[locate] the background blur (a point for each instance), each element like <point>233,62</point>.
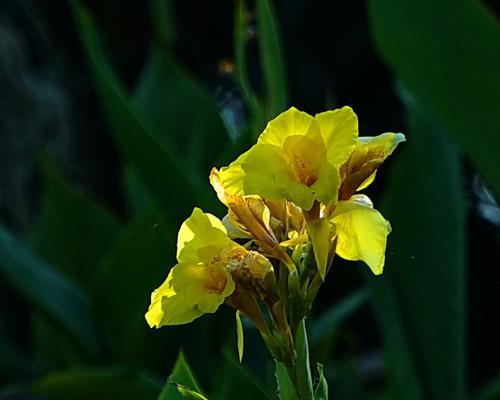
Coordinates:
<point>112,114</point>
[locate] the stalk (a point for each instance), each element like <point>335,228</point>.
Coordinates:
<point>294,378</point>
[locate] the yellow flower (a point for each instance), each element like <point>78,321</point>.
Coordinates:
<point>201,280</point>
<point>296,158</point>
<point>361,232</point>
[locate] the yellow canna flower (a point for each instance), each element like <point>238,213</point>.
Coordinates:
<point>296,158</point>
<point>361,232</point>
<point>201,281</point>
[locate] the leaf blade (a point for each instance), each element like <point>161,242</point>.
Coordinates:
<point>420,301</point>
<point>451,68</point>
<point>47,291</point>
<point>272,58</point>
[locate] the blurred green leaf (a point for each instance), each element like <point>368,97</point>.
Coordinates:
<point>323,325</point>
<point>133,267</point>
<point>239,383</point>
<point>52,348</point>
<point>447,54</point>
<point>71,231</point>
<point>47,291</point>
<point>321,391</point>
<point>241,32</point>
<point>490,391</point>
<point>172,182</point>
<point>163,21</point>
<point>181,375</point>
<point>420,299</point>
<point>347,384</point>
<point>181,111</point>
<point>272,58</point>
<point>104,383</point>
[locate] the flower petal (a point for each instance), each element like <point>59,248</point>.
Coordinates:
<point>198,231</point>
<point>367,156</point>
<point>326,188</point>
<point>189,291</point>
<point>319,232</point>
<point>254,172</point>
<point>289,123</point>
<point>339,129</point>
<point>362,234</point>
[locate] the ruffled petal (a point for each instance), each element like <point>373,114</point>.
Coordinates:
<point>361,233</point>
<point>292,122</point>
<point>198,231</point>
<point>367,156</point>
<point>189,291</point>
<point>339,129</point>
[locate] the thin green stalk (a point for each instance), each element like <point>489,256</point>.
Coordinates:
<point>295,379</point>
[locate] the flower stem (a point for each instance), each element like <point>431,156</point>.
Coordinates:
<point>294,379</point>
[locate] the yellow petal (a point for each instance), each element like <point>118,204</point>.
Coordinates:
<point>198,231</point>
<point>367,156</point>
<point>326,187</point>
<point>339,129</point>
<point>189,291</point>
<point>367,182</point>
<point>319,232</point>
<point>258,265</point>
<point>255,172</point>
<point>289,123</point>
<point>233,227</point>
<point>217,185</point>
<point>362,233</point>
<point>296,192</point>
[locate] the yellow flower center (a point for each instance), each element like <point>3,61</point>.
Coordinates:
<point>218,280</point>
<point>305,157</point>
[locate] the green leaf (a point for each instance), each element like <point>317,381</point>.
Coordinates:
<point>172,183</point>
<point>187,392</point>
<point>323,325</point>
<point>271,57</point>
<point>239,383</point>
<point>71,231</point>
<point>304,377</point>
<point>420,299</point>
<point>181,111</point>
<point>47,291</point>
<point>321,391</point>
<point>99,383</point>
<point>447,54</point>
<point>239,335</point>
<point>136,263</point>
<point>181,375</point>
<point>241,29</point>
<point>286,388</point>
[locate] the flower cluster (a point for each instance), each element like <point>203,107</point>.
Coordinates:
<point>293,204</point>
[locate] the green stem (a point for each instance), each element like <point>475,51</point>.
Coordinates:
<point>294,379</point>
